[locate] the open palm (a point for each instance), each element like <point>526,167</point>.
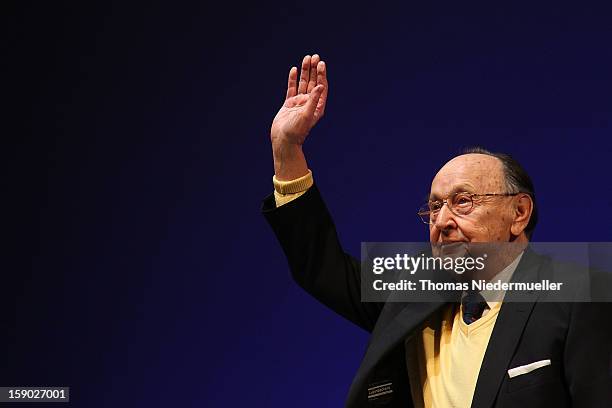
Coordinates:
<point>304,104</point>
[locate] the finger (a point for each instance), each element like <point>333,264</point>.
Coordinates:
<point>322,74</point>
<point>292,83</point>
<point>313,100</point>
<point>303,85</point>
<point>322,80</point>
<point>312,82</point>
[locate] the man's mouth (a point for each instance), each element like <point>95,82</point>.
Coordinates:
<point>451,242</point>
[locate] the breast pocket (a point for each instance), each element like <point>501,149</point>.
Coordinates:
<point>532,375</point>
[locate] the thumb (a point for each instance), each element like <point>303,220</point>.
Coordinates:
<point>313,99</point>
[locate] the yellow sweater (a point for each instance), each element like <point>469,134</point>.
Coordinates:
<point>446,357</point>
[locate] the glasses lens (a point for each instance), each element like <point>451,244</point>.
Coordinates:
<point>462,203</point>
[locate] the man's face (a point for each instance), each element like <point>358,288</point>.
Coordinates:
<point>491,217</point>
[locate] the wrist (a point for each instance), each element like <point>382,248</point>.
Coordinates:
<point>289,161</point>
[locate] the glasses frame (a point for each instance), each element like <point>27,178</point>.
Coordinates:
<point>426,213</point>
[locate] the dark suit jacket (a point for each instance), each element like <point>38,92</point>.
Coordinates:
<point>576,337</point>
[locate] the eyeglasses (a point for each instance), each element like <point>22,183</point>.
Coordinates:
<point>460,203</point>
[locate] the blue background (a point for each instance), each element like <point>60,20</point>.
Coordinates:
<point>139,270</point>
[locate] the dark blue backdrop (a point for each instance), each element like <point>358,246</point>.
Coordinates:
<point>144,274</point>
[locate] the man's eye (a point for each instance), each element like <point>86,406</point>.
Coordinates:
<point>435,206</point>
<point>463,201</point>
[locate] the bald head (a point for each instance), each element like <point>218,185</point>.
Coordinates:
<point>472,172</point>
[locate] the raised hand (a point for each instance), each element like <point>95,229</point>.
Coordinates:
<point>304,104</point>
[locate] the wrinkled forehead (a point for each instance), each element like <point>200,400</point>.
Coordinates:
<point>474,173</point>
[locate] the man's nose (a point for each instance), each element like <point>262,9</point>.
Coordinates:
<point>444,220</point>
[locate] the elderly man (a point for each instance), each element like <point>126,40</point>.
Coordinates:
<point>440,354</point>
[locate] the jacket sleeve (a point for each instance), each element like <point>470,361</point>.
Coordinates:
<point>316,259</point>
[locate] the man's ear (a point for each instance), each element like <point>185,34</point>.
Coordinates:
<point>523,207</point>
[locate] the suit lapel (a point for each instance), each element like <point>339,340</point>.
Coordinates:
<point>403,322</point>
<point>509,327</point>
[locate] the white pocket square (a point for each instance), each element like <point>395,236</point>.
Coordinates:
<point>524,369</point>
